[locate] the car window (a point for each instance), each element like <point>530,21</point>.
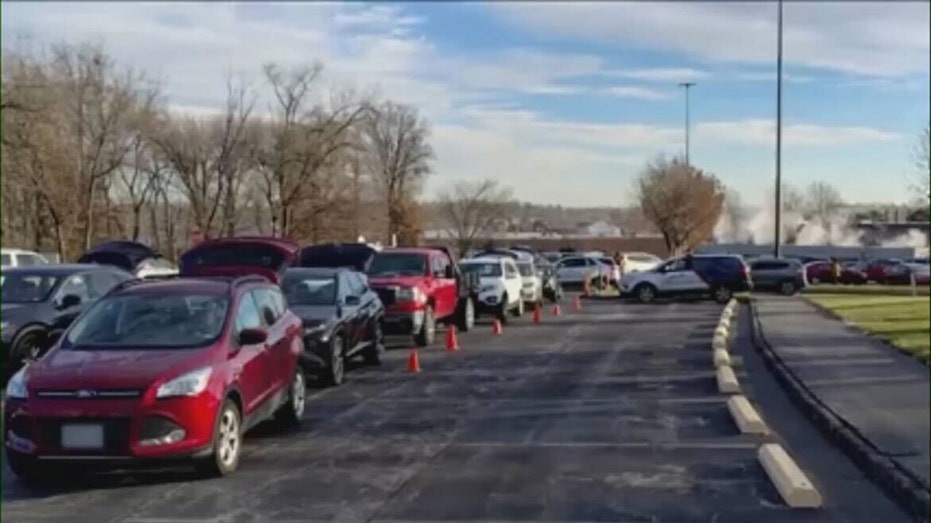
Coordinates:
<point>303,289</point>
<point>76,285</point>
<point>267,306</point>
<point>357,286</point>
<point>526,269</point>
<point>26,260</point>
<point>769,266</point>
<point>102,281</point>
<point>278,300</point>
<point>440,262</point>
<point>492,270</point>
<point>247,314</point>
<point>398,264</point>
<point>676,265</point>
<point>26,288</point>
<point>572,263</point>
<point>509,270</point>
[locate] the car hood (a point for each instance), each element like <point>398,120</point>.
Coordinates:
<point>110,368</point>
<point>399,281</point>
<point>315,313</point>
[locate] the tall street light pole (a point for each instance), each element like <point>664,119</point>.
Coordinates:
<point>687,86</point>
<point>777,250</point>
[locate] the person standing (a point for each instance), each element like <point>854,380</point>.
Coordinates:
<point>835,270</point>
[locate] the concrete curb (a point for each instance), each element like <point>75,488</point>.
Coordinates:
<point>899,483</point>
<point>727,381</point>
<point>746,417</point>
<point>794,486</point>
<point>721,358</point>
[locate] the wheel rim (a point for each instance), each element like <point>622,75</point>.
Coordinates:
<point>30,349</point>
<point>298,394</point>
<point>337,360</point>
<point>646,294</point>
<point>722,294</point>
<point>787,288</point>
<point>229,437</point>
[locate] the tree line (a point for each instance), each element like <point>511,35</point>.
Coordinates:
<point>91,151</point>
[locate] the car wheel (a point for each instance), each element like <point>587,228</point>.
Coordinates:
<point>519,310</point>
<point>466,316</point>
<point>376,346</point>
<point>292,412</point>
<point>721,294</point>
<point>428,330</point>
<point>227,443</point>
<point>787,288</point>
<point>336,371</point>
<point>645,293</point>
<point>27,346</point>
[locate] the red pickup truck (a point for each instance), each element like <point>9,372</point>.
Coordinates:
<point>420,287</point>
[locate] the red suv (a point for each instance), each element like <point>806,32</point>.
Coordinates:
<point>164,369</point>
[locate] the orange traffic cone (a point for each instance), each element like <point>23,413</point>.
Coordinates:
<point>413,362</point>
<point>556,311</point>
<point>496,327</point>
<point>537,315</point>
<point>576,303</point>
<point>452,344</point>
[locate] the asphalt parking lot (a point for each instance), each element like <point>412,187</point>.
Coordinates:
<point>608,414</point>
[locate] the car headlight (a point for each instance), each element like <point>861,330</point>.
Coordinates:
<point>16,388</point>
<point>190,384</point>
<point>410,294</point>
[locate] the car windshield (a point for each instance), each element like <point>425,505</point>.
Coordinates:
<point>309,290</point>
<point>398,264</point>
<point>484,270</point>
<point>142,321</point>
<point>526,269</point>
<point>26,288</point>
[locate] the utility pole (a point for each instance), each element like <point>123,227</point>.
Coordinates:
<point>777,238</point>
<point>687,86</point>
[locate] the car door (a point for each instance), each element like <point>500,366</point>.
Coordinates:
<point>763,273</point>
<point>571,270</point>
<point>447,290</point>
<point>678,277</point>
<point>512,280</point>
<point>251,368</point>
<point>278,342</point>
<point>368,305</point>
<point>349,312</point>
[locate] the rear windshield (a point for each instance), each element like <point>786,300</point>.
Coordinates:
<point>139,321</point>
<point>526,269</point>
<point>398,264</point>
<point>232,255</point>
<point>309,290</point>
<point>26,288</point>
<point>484,270</point>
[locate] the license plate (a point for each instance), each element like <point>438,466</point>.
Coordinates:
<point>83,436</point>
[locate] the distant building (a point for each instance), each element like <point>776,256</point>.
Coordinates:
<point>599,229</point>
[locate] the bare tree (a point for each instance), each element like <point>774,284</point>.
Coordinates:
<point>470,210</point>
<point>398,157</point>
<point>683,202</point>
<point>922,182</point>
<point>822,203</point>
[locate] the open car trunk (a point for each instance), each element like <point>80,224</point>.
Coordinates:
<point>357,256</point>
<point>126,255</point>
<point>240,256</point>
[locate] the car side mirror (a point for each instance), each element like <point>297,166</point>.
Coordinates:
<point>269,315</point>
<point>353,301</point>
<point>70,301</point>
<point>252,336</point>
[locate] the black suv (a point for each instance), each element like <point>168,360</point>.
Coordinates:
<point>40,301</point>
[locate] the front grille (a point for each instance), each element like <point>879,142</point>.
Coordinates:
<point>115,432</point>
<point>90,394</point>
<point>153,427</point>
<point>387,295</point>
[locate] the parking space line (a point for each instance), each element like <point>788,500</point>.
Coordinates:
<point>671,446</point>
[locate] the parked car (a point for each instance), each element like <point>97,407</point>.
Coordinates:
<point>134,257</point>
<point>421,286</point>
<point>501,285</point>
<point>575,269</point>
<point>532,285</point>
<point>638,261</point>
<point>40,301</point>
<point>852,273</point>
<point>240,256</point>
<point>777,274</point>
<point>719,276</point>
<point>342,319</point>
<point>881,270</point>
<point>20,258</point>
<point>921,273</point>
<point>159,370</point>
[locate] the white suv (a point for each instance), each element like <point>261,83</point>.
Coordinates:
<point>500,285</point>
<point>21,258</point>
<point>719,276</point>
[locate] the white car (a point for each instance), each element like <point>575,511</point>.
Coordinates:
<point>500,285</point>
<point>20,258</point>
<point>718,275</point>
<point>156,268</point>
<point>532,285</point>
<point>638,262</point>
<point>575,269</point>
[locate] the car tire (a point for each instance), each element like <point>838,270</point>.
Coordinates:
<point>335,373</point>
<point>226,447</point>
<point>427,333</point>
<point>376,348</point>
<point>787,288</point>
<point>465,316</point>
<point>29,344</point>
<point>721,294</point>
<point>645,293</point>
<point>292,412</point>
<point>518,311</point>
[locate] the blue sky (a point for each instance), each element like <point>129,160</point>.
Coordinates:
<point>565,103</point>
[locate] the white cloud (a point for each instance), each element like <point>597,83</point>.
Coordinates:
<point>869,38</point>
<point>763,132</point>
<point>640,93</point>
<point>662,74</point>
